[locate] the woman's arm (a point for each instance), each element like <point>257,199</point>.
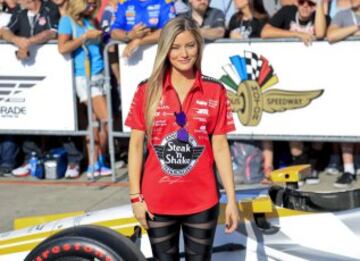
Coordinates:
<point>222,157</point>
<point>320,20</point>
<point>135,162</point>
<point>67,45</point>
<point>336,33</point>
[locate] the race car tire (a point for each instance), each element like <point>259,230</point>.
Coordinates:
<point>86,243</point>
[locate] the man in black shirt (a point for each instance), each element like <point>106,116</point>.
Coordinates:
<point>210,20</point>
<point>35,24</point>
<point>306,21</point>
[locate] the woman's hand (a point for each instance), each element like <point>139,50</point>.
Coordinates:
<point>232,217</point>
<point>93,34</point>
<point>140,209</point>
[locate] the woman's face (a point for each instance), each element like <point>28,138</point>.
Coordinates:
<point>184,52</point>
<point>240,4</point>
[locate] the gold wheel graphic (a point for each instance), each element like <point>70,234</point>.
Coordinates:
<point>250,103</point>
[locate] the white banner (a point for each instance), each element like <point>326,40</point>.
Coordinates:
<point>276,88</point>
<point>36,94</point>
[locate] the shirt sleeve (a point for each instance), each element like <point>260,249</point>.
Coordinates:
<point>54,19</point>
<point>279,18</point>
<point>218,19</point>
<point>338,20</point>
<point>14,24</point>
<point>135,118</point>
<point>120,20</point>
<point>65,26</point>
<point>233,23</point>
<point>167,12</point>
<point>224,121</point>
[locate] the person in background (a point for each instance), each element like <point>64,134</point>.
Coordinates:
<point>35,24</point>
<point>176,190</point>
<point>247,23</point>
<point>180,7</point>
<point>7,7</point>
<point>144,24</point>
<point>346,23</point>
<point>306,21</point>
<point>211,20</point>
<point>78,36</point>
<point>9,150</point>
<point>61,5</point>
<point>249,19</point>
<point>334,6</point>
<point>106,22</point>
<point>100,13</point>
<point>272,6</point>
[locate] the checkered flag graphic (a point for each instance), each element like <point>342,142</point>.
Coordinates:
<point>253,65</point>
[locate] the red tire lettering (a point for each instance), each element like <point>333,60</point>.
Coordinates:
<point>108,258</point>
<point>88,249</point>
<point>77,246</point>
<point>45,254</point>
<point>66,247</point>
<point>99,254</point>
<point>56,250</point>
<point>39,258</point>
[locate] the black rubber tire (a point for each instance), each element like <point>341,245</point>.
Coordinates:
<point>86,243</point>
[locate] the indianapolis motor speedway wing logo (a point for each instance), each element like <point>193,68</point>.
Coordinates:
<point>178,158</point>
<point>248,79</point>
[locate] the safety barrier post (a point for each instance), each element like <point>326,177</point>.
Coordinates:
<point>107,86</point>
<point>89,112</point>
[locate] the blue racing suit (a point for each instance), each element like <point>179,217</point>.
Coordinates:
<point>153,13</point>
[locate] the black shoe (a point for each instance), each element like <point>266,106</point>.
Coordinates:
<point>345,180</point>
<point>5,171</point>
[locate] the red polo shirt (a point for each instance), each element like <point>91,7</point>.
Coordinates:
<point>178,177</point>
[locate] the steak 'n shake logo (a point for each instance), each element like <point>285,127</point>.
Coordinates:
<point>12,94</point>
<point>248,79</point>
<point>178,158</point>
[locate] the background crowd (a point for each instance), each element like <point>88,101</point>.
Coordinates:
<point>85,26</point>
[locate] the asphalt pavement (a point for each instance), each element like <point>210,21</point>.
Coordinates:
<point>28,196</point>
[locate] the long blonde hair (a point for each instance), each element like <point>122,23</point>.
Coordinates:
<point>168,34</point>
<point>75,9</point>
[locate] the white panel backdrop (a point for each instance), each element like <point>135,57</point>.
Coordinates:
<point>332,68</point>
<point>46,102</point>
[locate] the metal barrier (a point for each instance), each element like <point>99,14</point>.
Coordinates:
<point>113,134</point>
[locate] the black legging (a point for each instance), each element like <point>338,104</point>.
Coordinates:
<point>198,230</point>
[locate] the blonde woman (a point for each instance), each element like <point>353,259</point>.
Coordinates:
<point>185,117</point>
<point>78,34</point>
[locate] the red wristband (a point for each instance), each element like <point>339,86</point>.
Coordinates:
<point>139,198</point>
